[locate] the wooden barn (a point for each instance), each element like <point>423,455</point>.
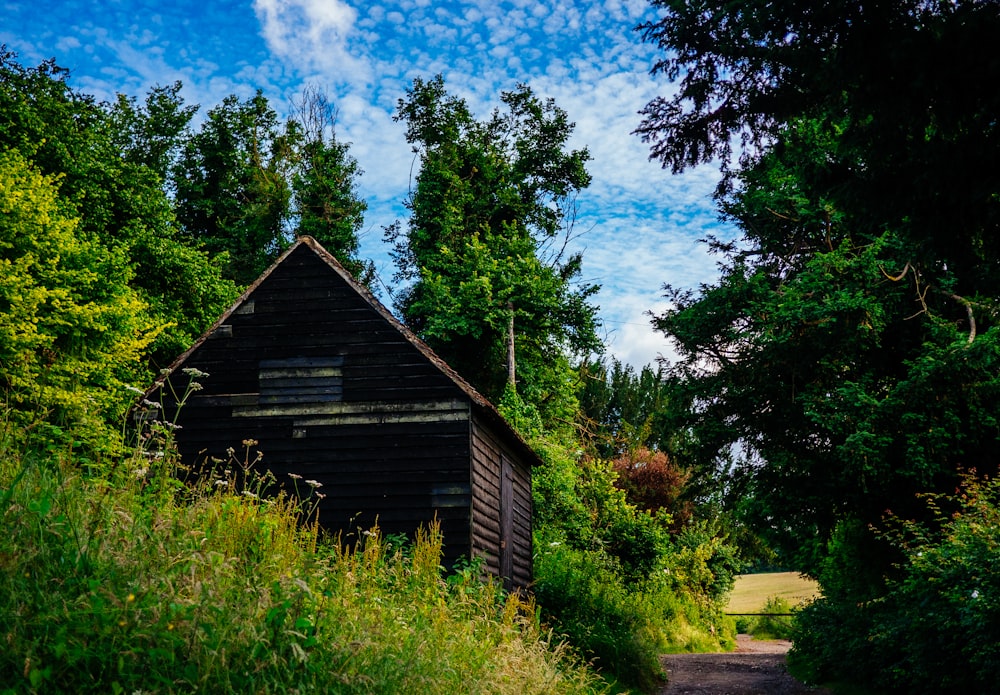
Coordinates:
<point>334,389</point>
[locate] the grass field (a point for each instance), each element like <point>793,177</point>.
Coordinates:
<point>752,590</point>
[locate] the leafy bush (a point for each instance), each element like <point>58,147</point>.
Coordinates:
<point>72,332</point>
<point>936,628</point>
<point>769,626</point>
<point>622,625</point>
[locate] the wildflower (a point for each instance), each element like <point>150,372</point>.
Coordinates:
<point>314,483</point>
<point>231,451</point>
<point>194,372</point>
<point>130,598</point>
<point>250,442</point>
<point>150,404</point>
<point>164,371</point>
<point>221,483</point>
<point>195,386</point>
<point>295,476</point>
<point>975,593</point>
<point>133,389</point>
<point>320,496</point>
<point>247,493</point>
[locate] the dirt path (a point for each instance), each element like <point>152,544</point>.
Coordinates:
<point>755,668</point>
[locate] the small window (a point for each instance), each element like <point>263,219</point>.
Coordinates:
<point>301,380</point>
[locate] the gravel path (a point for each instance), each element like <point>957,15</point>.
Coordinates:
<point>755,668</point>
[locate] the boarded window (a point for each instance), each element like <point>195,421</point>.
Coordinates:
<point>301,380</point>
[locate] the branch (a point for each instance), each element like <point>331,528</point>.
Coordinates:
<point>968,310</point>
<point>899,277</point>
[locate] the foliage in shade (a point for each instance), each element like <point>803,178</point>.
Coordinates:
<point>849,353</point>
<point>851,343</point>
<point>938,628</point>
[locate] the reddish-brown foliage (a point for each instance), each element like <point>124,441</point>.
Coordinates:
<point>653,482</point>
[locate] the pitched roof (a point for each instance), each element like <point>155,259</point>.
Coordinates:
<point>481,404</point>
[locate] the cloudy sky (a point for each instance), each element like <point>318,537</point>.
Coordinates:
<point>641,224</point>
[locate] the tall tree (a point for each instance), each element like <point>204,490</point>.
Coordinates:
<point>232,185</point>
<point>326,201</point>
<point>850,348</point>
<point>247,183</point>
<point>483,248</point>
<point>116,198</point>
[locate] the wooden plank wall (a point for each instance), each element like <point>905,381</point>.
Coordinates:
<point>487,451</point>
<point>333,392</point>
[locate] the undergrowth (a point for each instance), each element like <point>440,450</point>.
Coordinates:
<point>129,582</point>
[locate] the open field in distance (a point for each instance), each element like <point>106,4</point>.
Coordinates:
<point>752,590</point>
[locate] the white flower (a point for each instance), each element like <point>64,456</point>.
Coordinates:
<point>133,389</point>
<point>194,372</point>
<point>295,476</point>
<point>221,483</point>
<point>313,483</point>
<point>975,593</point>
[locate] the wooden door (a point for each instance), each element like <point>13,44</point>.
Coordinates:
<point>506,521</point>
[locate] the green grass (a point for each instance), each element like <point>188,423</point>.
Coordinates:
<point>129,582</point>
<point>752,591</point>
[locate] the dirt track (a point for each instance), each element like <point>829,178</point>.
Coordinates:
<point>755,668</point>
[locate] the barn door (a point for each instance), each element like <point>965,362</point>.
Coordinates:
<point>506,521</point>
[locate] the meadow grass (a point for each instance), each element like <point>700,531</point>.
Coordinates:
<point>752,591</point>
<point>130,582</point>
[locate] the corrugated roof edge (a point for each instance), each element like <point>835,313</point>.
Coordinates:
<point>482,404</point>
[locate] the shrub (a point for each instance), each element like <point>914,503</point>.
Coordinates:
<point>623,626</point>
<point>936,627</point>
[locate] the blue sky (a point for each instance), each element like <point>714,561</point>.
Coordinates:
<point>639,224</point>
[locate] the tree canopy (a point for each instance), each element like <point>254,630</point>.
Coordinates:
<point>850,348</point>
<point>485,241</point>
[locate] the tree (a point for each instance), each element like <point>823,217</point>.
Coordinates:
<point>247,183</point>
<point>72,331</point>
<point>232,181</point>
<point>326,201</point>
<point>152,134</point>
<point>116,198</point>
<point>623,410</point>
<point>850,348</point>
<point>482,248</point>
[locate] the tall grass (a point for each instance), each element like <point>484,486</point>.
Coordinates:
<point>131,583</point>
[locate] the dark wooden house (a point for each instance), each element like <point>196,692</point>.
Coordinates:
<point>333,388</point>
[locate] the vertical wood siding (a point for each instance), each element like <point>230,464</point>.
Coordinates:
<point>488,453</point>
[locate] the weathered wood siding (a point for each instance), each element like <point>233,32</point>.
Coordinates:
<point>333,392</point>
<point>489,538</point>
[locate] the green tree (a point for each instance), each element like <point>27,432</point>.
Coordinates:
<point>482,248</point>
<point>326,201</point>
<point>232,185</point>
<point>247,182</point>
<point>116,197</point>
<point>72,331</point>
<point>849,351</point>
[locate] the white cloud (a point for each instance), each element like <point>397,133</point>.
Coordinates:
<point>310,33</point>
